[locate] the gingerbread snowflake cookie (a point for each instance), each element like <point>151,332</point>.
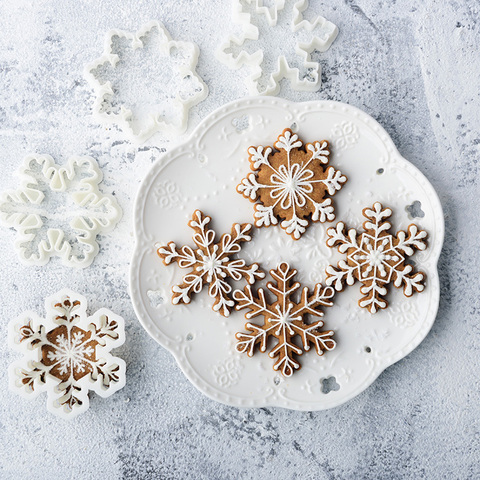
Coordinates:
<point>67,354</point>
<point>211,263</point>
<point>291,183</point>
<point>376,258</point>
<point>284,319</point>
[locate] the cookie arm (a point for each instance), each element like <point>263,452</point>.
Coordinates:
<point>284,352</point>
<point>412,282</point>
<point>309,303</point>
<point>415,240</point>
<point>256,335</point>
<point>311,336</point>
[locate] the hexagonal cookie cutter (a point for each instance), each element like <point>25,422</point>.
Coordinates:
<point>40,201</point>
<point>311,81</point>
<point>183,55</point>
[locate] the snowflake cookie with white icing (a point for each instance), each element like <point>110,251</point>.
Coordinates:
<point>67,354</point>
<point>292,183</point>
<point>211,263</point>
<point>284,319</point>
<point>376,258</point>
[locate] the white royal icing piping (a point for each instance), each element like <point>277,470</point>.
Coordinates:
<point>291,185</point>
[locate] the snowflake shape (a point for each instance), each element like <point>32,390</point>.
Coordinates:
<point>156,98</point>
<point>210,263</point>
<point>291,183</point>
<point>284,320</point>
<point>58,210</point>
<point>376,258</point>
<point>67,353</point>
<point>283,29</point>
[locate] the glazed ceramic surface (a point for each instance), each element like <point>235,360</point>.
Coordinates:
<point>203,173</point>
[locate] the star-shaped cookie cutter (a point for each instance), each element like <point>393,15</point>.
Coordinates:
<point>251,32</point>
<point>184,66</point>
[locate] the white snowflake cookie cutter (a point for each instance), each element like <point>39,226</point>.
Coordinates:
<point>310,80</point>
<point>67,354</point>
<point>46,225</point>
<point>182,55</point>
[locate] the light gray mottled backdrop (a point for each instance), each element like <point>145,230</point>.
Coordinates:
<point>414,66</point>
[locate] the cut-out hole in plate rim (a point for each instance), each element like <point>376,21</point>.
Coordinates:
<point>241,123</point>
<point>156,298</point>
<point>415,210</point>
<point>329,384</point>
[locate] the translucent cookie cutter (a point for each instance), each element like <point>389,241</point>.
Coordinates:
<point>306,36</point>
<point>58,210</point>
<point>153,99</point>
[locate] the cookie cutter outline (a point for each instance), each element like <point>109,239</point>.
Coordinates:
<point>124,118</point>
<point>58,177</point>
<point>31,355</point>
<point>283,70</point>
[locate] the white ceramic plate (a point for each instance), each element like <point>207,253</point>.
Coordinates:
<point>202,174</point>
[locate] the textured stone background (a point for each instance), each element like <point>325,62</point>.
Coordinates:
<point>414,66</point>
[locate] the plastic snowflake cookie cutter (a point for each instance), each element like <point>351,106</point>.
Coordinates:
<point>308,36</point>
<point>211,263</point>
<point>291,183</point>
<point>171,81</point>
<point>67,354</point>
<point>58,210</point>
<point>284,320</point>
<point>376,258</point>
